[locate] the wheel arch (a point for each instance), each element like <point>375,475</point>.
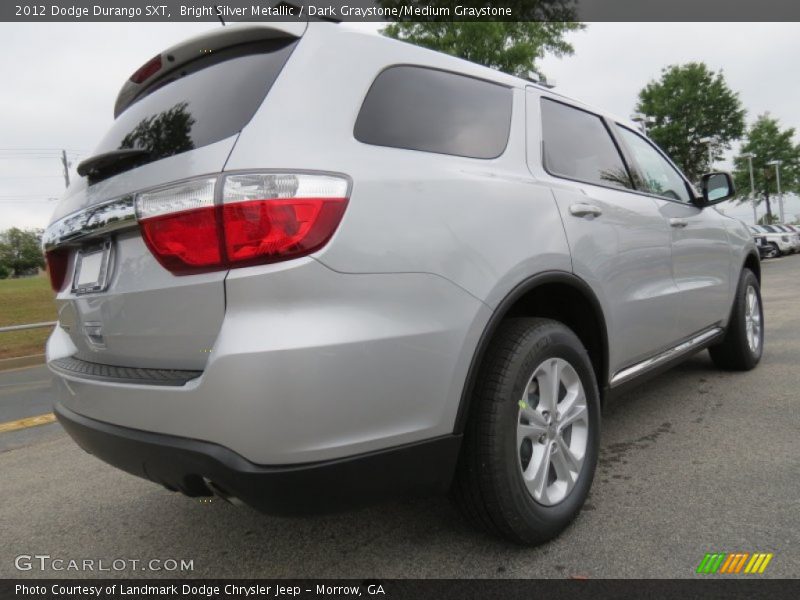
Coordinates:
<point>554,294</point>
<point>753,262</point>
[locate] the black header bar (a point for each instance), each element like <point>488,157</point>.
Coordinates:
<point>401,10</point>
<point>400,589</point>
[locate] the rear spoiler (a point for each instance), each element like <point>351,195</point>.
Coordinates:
<point>179,55</point>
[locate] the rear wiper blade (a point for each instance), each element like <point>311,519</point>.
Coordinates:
<point>100,162</point>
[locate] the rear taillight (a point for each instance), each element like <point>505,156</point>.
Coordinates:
<point>259,218</point>
<point>180,226</point>
<point>57,261</point>
<point>148,69</point>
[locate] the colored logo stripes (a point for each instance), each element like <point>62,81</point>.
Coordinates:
<point>734,562</point>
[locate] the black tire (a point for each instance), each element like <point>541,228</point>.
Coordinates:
<point>735,352</point>
<point>489,487</point>
<point>773,251</point>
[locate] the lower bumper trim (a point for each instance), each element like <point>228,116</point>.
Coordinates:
<point>182,464</point>
<point>111,374</point>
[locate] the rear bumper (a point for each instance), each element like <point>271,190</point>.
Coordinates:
<point>186,465</point>
<point>310,365</point>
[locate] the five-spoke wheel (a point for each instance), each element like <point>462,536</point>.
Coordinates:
<point>552,431</point>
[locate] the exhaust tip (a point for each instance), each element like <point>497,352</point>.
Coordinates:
<point>222,493</point>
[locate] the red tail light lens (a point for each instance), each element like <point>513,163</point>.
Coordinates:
<point>57,261</point>
<point>180,226</point>
<point>271,229</point>
<point>263,218</point>
<point>184,242</point>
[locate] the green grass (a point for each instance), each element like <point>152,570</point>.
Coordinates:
<point>25,300</point>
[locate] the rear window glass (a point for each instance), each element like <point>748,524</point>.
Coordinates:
<point>578,146</point>
<point>435,111</point>
<point>204,102</point>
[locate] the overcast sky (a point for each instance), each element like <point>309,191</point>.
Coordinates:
<point>60,81</point>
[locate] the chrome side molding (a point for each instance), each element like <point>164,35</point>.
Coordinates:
<point>683,348</point>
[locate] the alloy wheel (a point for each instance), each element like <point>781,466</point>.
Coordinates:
<point>552,431</point>
<point>752,319</point>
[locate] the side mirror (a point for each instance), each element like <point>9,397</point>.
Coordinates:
<point>716,188</point>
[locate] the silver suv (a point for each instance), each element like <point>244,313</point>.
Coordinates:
<point>309,267</point>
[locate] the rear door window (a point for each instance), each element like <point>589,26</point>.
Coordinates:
<point>424,109</point>
<point>577,145</point>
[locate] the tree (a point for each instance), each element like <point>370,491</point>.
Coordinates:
<point>768,142</point>
<point>509,47</point>
<point>689,103</point>
<point>20,251</point>
<point>163,134</point>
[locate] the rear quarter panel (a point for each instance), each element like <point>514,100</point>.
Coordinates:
<point>485,225</point>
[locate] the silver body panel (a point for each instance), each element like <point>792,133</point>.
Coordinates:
<point>367,343</point>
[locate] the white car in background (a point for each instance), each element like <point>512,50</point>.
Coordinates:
<point>794,236</point>
<point>779,242</point>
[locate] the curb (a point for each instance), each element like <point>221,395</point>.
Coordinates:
<point>21,361</point>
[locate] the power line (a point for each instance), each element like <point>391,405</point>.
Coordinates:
<point>38,157</point>
<point>7,196</point>
<point>56,150</point>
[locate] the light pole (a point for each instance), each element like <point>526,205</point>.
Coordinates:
<point>710,142</point>
<point>750,156</point>
<point>777,164</point>
<point>643,120</point>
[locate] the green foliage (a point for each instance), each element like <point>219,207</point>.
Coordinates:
<point>5,272</point>
<point>767,219</point>
<point>509,47</point>
<point>768,142</point>
<point>20,251</point>
<point>691,102</point>
<point>25,300</point>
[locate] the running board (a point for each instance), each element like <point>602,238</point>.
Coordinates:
<point>686,347</point>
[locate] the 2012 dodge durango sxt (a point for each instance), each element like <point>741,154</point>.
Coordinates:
<point>299,284</point>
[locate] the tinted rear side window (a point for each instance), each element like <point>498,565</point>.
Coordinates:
<point>435,111</point>
<point>206,101</point>
<point>577,145</point>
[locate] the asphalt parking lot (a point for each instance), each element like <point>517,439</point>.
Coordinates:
<point>694,461</point>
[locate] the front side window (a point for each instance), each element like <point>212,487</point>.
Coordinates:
<point>656,176</point>
<point>578,146</point>
<point>417,108</point>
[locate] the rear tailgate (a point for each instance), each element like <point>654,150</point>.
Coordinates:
<point>117,303</point>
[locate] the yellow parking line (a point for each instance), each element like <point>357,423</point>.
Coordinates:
<point>27,422</point>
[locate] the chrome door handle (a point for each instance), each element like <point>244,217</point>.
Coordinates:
<point>585,210</point>
<point>678,223</point>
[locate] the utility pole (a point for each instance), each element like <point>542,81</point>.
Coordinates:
<point>750,156</point>
<point>66,167</point>
<point>643,121</point>
<point>777,164</point>
<point>710,142</point>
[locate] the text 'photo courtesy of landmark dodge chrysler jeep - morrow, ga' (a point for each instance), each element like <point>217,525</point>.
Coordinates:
<point>302,285</point>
